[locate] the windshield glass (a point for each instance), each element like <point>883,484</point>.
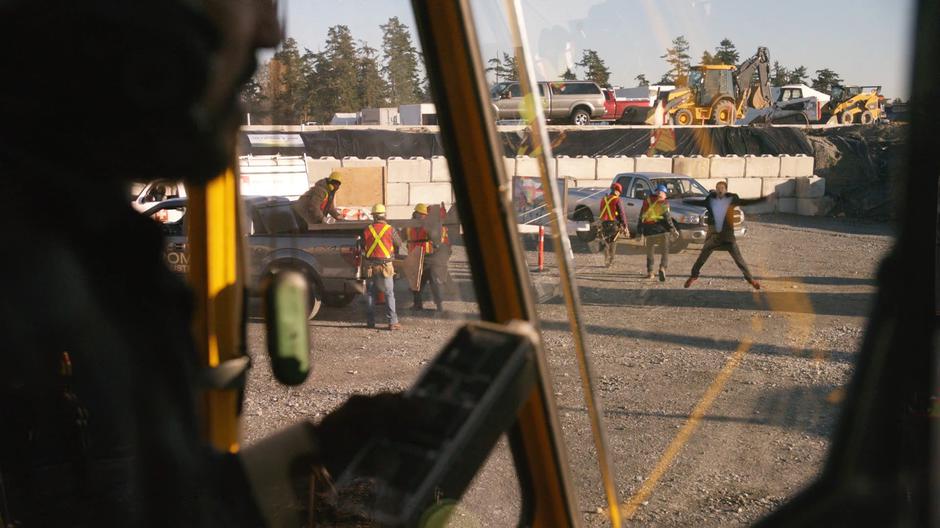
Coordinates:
<point>680,187</point>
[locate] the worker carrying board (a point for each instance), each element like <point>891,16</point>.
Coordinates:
<point>319,202</point>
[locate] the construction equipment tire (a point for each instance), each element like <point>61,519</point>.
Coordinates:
<point>866,118</point>
<point>683,117</point>
<point>846,118</point>
<point>723,113</point>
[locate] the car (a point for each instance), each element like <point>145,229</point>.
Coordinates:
<point>690,220</point>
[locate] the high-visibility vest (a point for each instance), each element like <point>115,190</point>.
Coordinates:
<point>445,236</point>
<point>609,207</point>
<point>417,238</point>
<point>327,199</point>
<point>378,241</point>
<point>655,211</point>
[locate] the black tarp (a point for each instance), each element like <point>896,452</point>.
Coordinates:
<point>364,143</point>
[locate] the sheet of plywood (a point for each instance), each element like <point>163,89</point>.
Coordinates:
<point>362,187</point>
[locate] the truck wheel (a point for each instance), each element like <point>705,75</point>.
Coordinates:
<point>723,113</point>
<point>338,300</point>
<point>580,117</point>
<point>683,117</point>
<point>316,301</point>
<point>866,118</point>
<point>584,215</point>
<point>846,118</point>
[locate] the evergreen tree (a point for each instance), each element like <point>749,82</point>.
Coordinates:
<point>779,75</point>
<point>371,86</point>
<point>797,75</point>
<point>641,80</point>
<point>334,79</point>
<point>595,69</point>
<point>726,53</point>
<point>708,58</point>
<point>287,73</point>
<point>401,64</point>
<point>678,59</point>
<point>569,75</point>
<point>253,94</point>
<point>825,79</point>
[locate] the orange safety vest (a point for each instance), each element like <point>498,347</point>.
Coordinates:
<point>327,199</point>
<point>609,208</point>
<point>445,237</point>
<point>655,211</point>
<point>415,235</point>
<point>379,243</point>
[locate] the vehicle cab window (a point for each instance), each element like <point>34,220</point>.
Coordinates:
<point>625,181</point>
<point>641,189</point>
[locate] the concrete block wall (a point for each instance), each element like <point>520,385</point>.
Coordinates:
<point>319,168</point>
<point>526,166</point>
<point>796,166</point>
<point>583,169</point>
<point>363,162</point>
<point>411,170</point>
<point>765,166</point>
<point>440,172</point>
<point>697,167</point>
<point>609,167</point>
<point>653,164</point>
<point>745,187</point>
<point>726,167</point>
<point>810,187</point>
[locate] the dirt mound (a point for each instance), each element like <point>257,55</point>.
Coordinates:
<point>861,165</point>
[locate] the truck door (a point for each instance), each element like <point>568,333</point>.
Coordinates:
<point>172,220</point>
<point>633,202</point>
<point>509,102</point>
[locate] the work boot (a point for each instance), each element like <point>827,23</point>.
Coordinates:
<point>754,283</point>
<point>418,303</point>
<point>689,281</point>
<point>370,324</point>
<point>394,326</point>
<point>650,276</point>
<point>662,274</point>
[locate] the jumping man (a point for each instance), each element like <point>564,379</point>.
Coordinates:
<point>720,204</point>
<point>613,223</point>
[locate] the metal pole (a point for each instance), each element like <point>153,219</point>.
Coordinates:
<point>541,248</point>
<point>543,151</point>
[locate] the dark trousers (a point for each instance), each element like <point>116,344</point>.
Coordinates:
<point>429,277</point>
<point>725,242</point>
<point>651,242</point>
<point>610,232</point>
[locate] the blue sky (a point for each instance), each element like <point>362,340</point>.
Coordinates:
<point>865,41</point>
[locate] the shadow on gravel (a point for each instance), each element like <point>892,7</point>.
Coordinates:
<point>806,409</point>
<point>708,343</point>
<point>821,303</point>
<point>837,225</point>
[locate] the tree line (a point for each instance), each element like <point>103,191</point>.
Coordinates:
<point>346,75</point>
<point>679,60</point>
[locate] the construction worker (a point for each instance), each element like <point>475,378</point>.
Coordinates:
<point>657,227</point>
<point>720,205</point>
<point>100,379</point>
<point>613,223</point>
<point>318,203</point>
<point>419,239</point>
<point>380,242</point>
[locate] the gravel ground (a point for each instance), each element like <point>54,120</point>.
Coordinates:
<point>769,365</point>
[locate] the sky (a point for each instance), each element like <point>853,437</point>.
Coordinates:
<point>866,42</point>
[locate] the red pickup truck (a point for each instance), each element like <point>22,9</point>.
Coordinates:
<point>615,105</point>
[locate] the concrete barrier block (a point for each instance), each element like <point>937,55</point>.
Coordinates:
<point>586,182</point>
<point>769,205</point>
<point>814,206</point>
<point>440,171</point>
<point>399,212</point>
<point>610,166</point>
<point>319,168</point>
<point>786,205</point>
<point>726,167</point>
<point>779,187</point>
<point>579,168</point>
<point>412,170</point>
<point>510,164</point>
<point>526,166</point>
<point>397,194</point>
<point>810,187</point>
<point>653,164</point>
<point>794,166</point>
<point>697,167</point>
<point>710,183</point>
<point>371,161</point>
<point>761,166</point>
<point>745,187</point>
<point>429,193</point>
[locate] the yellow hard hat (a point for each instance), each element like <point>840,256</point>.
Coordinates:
<point>421,208</point>
<point>378,209</point>
<point>336,176</point>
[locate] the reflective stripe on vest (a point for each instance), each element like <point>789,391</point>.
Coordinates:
<point>607,209</point>
<point>381,241</point>
<point>655,211</point>
<point>415,234</point>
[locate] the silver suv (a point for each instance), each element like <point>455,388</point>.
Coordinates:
<point>575,102</point>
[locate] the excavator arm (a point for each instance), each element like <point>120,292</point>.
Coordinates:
<point>746,93</point>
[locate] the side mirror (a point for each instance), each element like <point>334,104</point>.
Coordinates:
<point>286,307</point>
